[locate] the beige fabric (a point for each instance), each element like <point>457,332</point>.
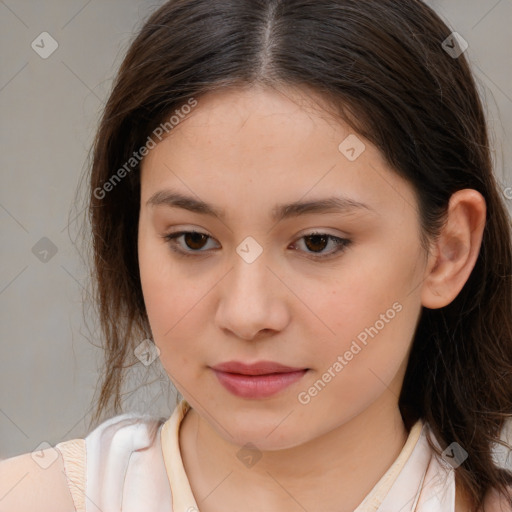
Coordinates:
<point>373,501</point>
<point>75,461</point>
<point>183,499</point>
<point>134,464</point>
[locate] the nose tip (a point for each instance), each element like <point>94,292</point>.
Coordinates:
<point>248,304</point>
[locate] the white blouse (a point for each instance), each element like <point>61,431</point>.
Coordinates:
<point>132,463</point>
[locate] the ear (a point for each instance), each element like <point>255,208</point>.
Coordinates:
<point>455,252</point>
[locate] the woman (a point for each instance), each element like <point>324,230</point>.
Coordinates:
<point>293,205</point>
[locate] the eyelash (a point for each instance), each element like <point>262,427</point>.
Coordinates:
<point>341,243</point>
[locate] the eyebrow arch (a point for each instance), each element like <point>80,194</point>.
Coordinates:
<point>280,212</point>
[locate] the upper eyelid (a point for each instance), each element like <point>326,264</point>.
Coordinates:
<point>340,240</point>
<point>311,232</point>
<point>306,232</point>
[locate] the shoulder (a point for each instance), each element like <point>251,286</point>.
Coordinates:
<point>34,481</point>
<point>124,433</point>
<point>51,479</point>
<point>122,453</point>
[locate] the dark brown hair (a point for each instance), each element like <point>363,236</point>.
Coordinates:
<point>382,67</point>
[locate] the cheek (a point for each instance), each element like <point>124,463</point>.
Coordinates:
<point>366,330</point>
<point>361,364</point>
<point>371,316</point>
<point>356,297</point>
<point>164,292</point>
<point>173,304</point>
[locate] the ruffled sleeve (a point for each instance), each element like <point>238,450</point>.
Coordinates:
<point>74,457</point>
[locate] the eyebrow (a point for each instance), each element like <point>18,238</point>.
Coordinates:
<point>280,212</point>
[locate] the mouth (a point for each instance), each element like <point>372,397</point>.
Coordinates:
<point>257,368</point>
<point>259,380</point>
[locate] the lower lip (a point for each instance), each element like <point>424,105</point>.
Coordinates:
<point>257,386</point>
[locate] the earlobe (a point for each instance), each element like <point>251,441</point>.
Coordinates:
<point>456,250</point>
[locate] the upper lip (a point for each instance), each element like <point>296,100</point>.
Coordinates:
<point>258,368</point>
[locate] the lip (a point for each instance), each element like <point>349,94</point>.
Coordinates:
<point>257,368</point>
<point>258,380</point>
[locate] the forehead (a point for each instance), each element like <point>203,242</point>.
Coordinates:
<point>261,112</point>
<point>255,129</point>
<point>263,101</point>
<point>262,144</point>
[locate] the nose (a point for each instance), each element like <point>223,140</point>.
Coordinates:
<point>253,301</point>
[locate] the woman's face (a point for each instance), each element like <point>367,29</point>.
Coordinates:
<point>259,285</point>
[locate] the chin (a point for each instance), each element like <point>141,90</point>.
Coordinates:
<point>266,435</point>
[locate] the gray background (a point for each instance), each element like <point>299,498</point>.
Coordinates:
<point>49,109</point>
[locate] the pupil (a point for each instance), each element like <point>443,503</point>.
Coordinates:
<point>323,239</point>
<point>196,238</point>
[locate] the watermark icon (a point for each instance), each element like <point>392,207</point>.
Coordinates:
<point>455,455</point>
<point>249,454</point>
<point>455,45</point>
<point>352,147</point>
<point>304,397</point>
<point>44,45</point>
<point>44,250</point>
<point>502,455</point>
<point>44,455</point>
<point>146,352</point>
<point>502,458</point>
<point>137,156</point>
<point>249,249</point>
<point>507,192</point>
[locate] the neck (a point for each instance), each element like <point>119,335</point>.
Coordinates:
<point>345,463</point>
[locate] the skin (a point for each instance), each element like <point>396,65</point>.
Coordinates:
<point>245,151</point>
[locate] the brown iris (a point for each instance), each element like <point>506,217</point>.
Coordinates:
<point>321,240</point>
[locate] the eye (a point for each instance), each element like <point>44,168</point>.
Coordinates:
<point>193,239</point>
<point>317,241</point>
<point>314,242</point>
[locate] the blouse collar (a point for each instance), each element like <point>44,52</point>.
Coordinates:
<point>416,482</point>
